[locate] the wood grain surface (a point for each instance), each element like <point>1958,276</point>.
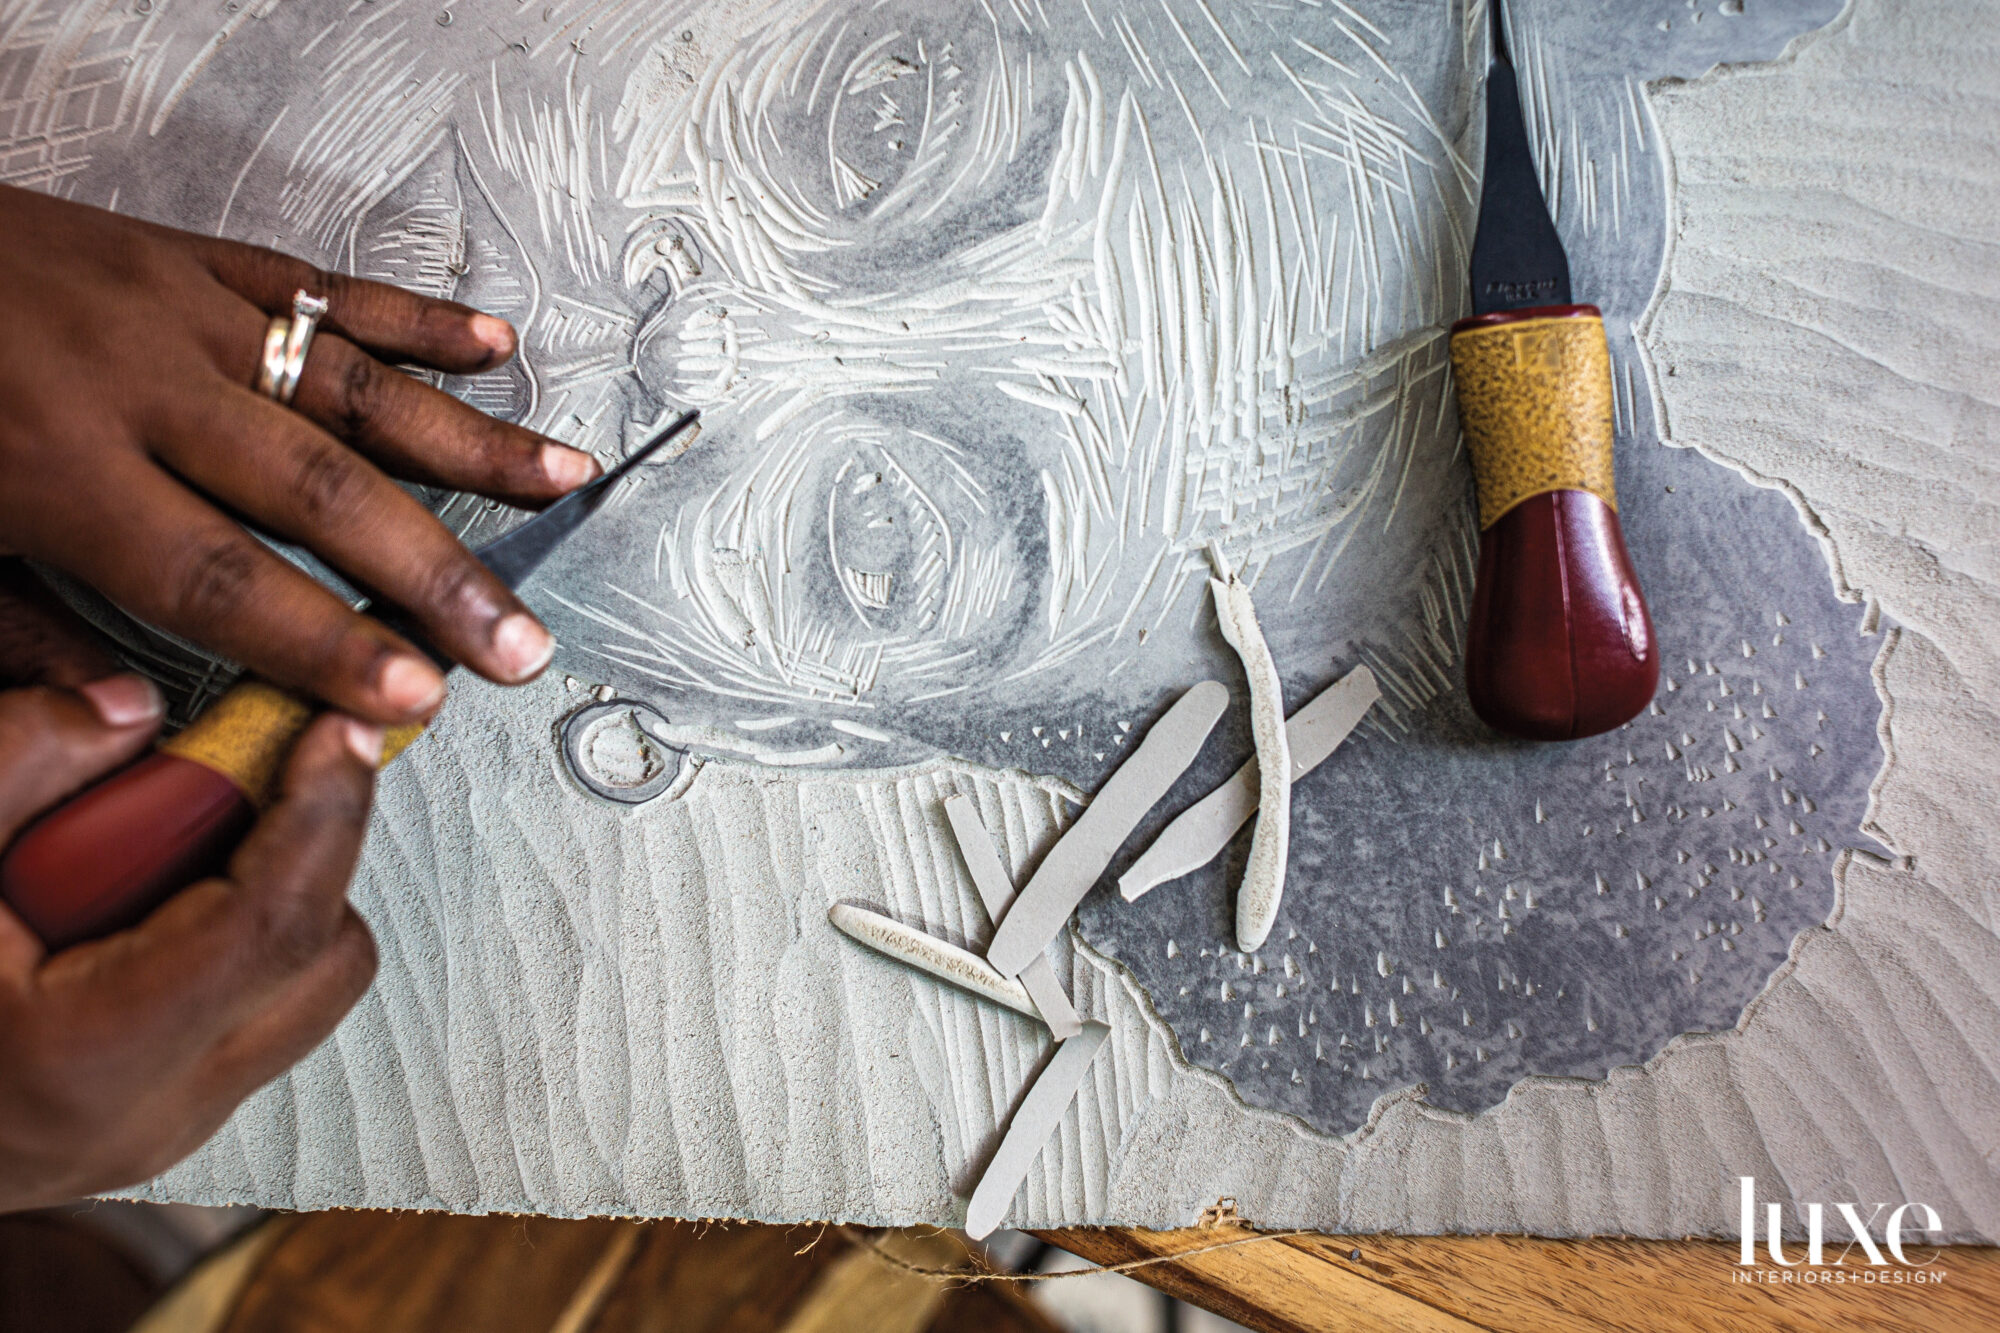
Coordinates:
<point>383,1272</point>
<point>405,1272</point>
<point>1505,1284</point>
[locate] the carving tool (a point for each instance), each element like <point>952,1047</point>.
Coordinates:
<point>1044,904</point>
<point>1559,644</point>
<point>1030,1128</point>
<point>996,891</point>
<point>105,858</point>
<point>1200,832</point>
<point>929,954</point>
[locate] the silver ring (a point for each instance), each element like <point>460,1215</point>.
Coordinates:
<point>287,339</point>
<point>306,312</point>
<point>271,367</point>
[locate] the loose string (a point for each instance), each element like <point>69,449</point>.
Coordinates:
<point>969,1276</point>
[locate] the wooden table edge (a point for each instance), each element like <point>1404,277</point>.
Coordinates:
<point>1320,1283</point>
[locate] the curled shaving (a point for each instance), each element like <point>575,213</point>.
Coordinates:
<point>1264,877</point>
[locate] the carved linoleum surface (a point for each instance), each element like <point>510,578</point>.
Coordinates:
<point>998,314</point>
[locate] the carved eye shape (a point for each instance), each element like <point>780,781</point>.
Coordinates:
<point>878,114</point>
<point>888,542</point>
<point>880,122</point>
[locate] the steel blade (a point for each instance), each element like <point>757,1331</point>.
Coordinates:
<point>1517,257</point>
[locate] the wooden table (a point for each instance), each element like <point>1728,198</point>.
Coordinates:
<point>374,1272</point>
<point>383,1272</point>
<point>1501,1284</point>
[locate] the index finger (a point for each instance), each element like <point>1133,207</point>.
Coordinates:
<point>302,484</point>
<point>187,568</point>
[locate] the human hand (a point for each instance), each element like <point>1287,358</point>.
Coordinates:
<point>131,432</point>
<point>121,1056</point>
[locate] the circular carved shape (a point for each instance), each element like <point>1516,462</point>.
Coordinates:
<point>608,748</point>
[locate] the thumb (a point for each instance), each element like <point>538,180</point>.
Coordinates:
<point>53,742</point>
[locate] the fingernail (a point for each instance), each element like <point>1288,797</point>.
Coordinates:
<point>566,467</point>
<point>364,742</point>
<point>522,645</point>
<point>410,685</point>
<point>495,333</point>
<point>123,701</point>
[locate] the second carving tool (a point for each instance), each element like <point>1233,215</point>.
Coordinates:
<point>105,858</point>
<point>1559,644</point>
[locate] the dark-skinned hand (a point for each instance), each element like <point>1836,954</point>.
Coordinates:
<point>121,1056</point>
<point>130,438</point>
<point>129,425</point>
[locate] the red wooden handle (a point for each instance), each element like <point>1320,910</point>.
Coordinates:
<point>103,860</point>
<point>1560,644</point>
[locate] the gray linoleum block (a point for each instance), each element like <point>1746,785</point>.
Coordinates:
<point>585,1010</point>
